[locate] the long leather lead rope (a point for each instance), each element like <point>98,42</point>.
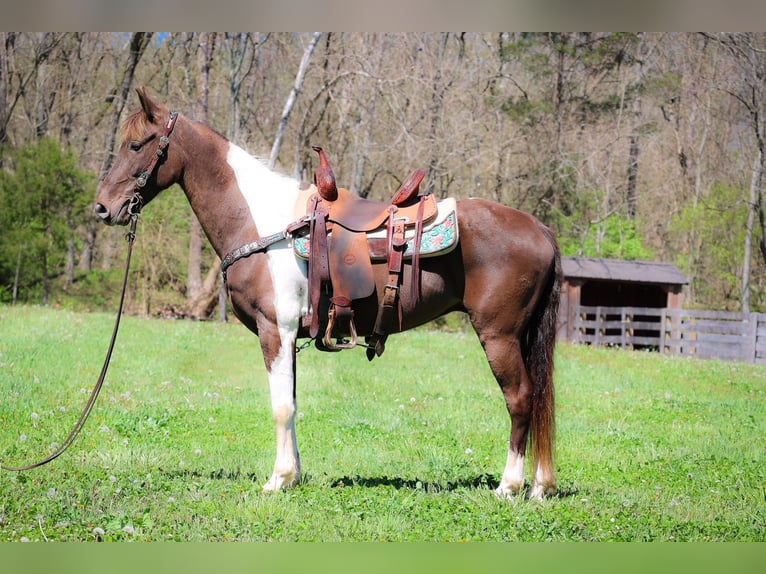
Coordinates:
<point>135,206</point>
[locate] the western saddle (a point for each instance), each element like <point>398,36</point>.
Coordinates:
<point>339,263</point>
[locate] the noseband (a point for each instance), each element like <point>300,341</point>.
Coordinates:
<point>137,201</point>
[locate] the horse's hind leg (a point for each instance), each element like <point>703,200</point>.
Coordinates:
<point>504,356</point>
<point>510,370</point>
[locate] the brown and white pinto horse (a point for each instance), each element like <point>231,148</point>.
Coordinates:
<point>505,274</point>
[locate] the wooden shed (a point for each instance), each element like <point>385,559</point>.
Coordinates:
<point>590,282</point>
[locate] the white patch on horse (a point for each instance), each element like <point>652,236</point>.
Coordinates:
<point>271,199</point>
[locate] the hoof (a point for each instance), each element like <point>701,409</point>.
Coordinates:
<point>539,492</point>
<point>504,492</point>
<point>280,482</point>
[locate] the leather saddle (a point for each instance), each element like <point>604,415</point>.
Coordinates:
<point>340,265</point>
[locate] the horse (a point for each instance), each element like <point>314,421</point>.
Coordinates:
<point>504,273</point>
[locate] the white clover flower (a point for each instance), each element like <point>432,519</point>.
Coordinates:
<point>469,451</point>
<point>128,529</point>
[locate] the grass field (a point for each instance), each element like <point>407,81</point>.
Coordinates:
<point>650,448</point>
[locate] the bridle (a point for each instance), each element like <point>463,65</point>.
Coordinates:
<point>134,209</point>
<point>137,201</point>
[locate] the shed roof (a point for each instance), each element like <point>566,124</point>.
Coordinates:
<point>618,270</point>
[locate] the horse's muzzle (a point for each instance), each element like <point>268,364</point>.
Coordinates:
<point>120,218</point>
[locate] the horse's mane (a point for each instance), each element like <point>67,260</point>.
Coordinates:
<point>135,125</point>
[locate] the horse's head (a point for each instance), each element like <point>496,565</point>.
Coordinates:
<point>144,165</point>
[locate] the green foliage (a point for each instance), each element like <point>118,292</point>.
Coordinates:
<point>663,87</point>
<point>44,197</point>
<point>615,236</point>
<point>713,231</point>
<point>618,239</point>
<point>162,251</point>
<point>650,448</point>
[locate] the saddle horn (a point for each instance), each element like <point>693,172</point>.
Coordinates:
<point>324,178</point>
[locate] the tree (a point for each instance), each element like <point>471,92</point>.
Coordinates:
<point>44,198</point>
<point>748,50</point>
<point>117,98</point>
<point>292,96</point>
<point>196,293</point>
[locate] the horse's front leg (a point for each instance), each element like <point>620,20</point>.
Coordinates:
<point>281,374</point>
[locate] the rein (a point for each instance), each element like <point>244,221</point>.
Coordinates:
<point>134,209</point>
<point>130,236</point>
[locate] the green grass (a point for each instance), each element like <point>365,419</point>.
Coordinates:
<point>650,448</point>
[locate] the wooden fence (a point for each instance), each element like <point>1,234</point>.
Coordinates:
<point>688,332</point>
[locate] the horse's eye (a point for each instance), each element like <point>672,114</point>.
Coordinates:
<point>135,146</point>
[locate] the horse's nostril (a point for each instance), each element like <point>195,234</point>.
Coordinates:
<point>101,211</point>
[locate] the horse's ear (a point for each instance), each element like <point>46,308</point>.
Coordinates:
<point>148,105</point>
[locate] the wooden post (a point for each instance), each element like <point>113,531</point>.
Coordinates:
<point>623,329</point>
<point>573,303</point>
<point>749,350</point>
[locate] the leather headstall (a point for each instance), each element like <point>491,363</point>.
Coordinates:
<point>137,201</point>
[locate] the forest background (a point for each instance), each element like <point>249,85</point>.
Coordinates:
<point>629,145</point>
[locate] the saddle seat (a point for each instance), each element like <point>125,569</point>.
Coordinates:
<point>359,214</point>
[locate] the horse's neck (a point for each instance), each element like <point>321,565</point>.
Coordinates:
<point>236,197</point>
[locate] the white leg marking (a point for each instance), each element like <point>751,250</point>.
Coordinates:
<point>287,467</point>
<point>543,484</point>
<point>290,300</point>
<point>271,198</point>
<point>513,476</point>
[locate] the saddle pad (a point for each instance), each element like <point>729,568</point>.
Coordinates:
<point>439,237</point>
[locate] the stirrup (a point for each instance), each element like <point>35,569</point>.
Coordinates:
<point>327,339</point>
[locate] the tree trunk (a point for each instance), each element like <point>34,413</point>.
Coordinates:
<point>6,41</point>
<point>290,103</point>
<point>209,296</point>
<point>46,279</point>
<point>17,275</point>
<point>195,290</point>
<point>755,190</point>
<point>138,43</point>
<point>70,260</point>
<point>361,150</point>
<point>632,177</point>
